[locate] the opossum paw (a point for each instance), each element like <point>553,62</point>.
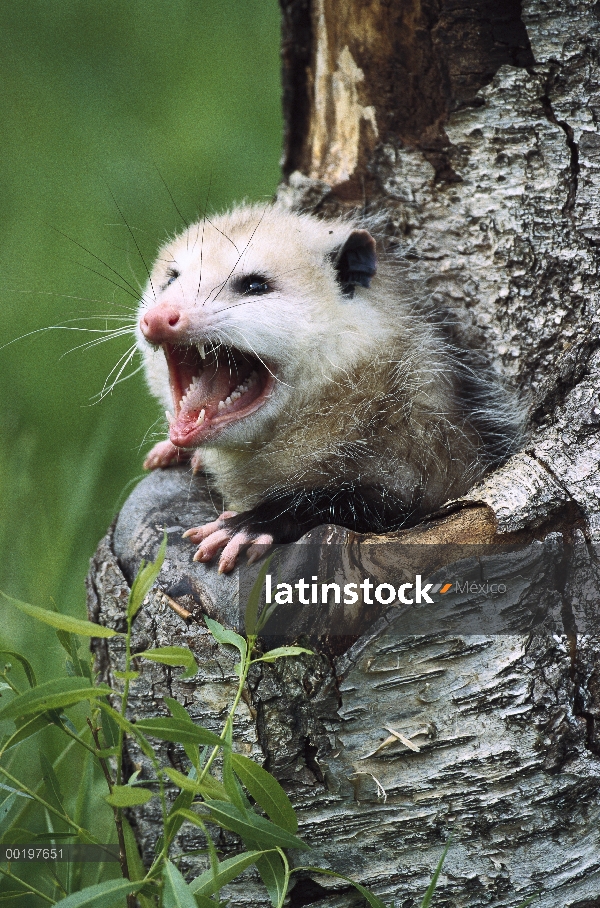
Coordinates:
<point>216,535</point>
<point>163,455</point>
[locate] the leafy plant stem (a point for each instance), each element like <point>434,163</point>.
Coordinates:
<point>287,877</point>
<point>7,680</point>
<point>244,669</point>
<point>27,886</point>
<point>83,833</point>
<point>116,810</point>
<point>164,854</point>
<point>124,698</point>
<point>75,737</point>
<point>55,764</point>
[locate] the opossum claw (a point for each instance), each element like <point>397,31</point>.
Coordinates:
<point>216,535</point>
<point>196,462</point>
<point>165,454</point>
<point>211,545</point>
<point>197,534</point>
<point>259,547</point>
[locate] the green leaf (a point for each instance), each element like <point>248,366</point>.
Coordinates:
<point>75,665</point>
<point>251,616</point>
<point>144,580</point>
<point>180,712</point>
<point>175,819</point>
<point>13,791</point>
<point>110,730</point>
<point>29,672</point>
<point>272,873</point>
<point>372,899</point>
<point>210,788</point>
<point>55,694</point>
<point>232,786</point>
<point>281,651</point>
<point>52,785</point>
<point>129,728</point>
<point>250,826</point>
<point>128,796</point>
<point>266,791</point>
<point>180,731</point>
<point>226,636</point>
<point>173,655</point>
<point>7,805</point>
<point>176,892</point>
<point>103,895</point>
<point>62,622</point>
<point>126,676</point>
<point>26,728</point>
<point>137,871</point>
<point>431,888</point>
<point>207,883</point>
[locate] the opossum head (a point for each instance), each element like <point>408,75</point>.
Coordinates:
<point>247,316</point>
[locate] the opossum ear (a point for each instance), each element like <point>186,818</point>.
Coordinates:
<point>356,261</point>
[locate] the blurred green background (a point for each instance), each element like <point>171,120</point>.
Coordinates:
<point>95,97</point>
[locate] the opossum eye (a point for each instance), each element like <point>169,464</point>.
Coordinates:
<point>172,275</point>
<point>252,285</point>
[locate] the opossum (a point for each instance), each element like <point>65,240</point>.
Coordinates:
<point>313,383</point>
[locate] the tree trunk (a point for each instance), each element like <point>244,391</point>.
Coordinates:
<point>472,128</point>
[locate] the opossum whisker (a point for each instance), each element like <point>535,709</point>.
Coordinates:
<point>54,328</point>
<point>132,291</point>
<point>159,421</point>
<point>70,296</point>
<point>259,358</point>
<point>125,359</point>
<point>127,355</point>
<point>223,235</point>
<point>202,240</point>
<point>241,254</point>
<point>244,302</point>
<point>122,332</point>
<point>106,317</point>
<point>164,182</point>
<point>133,294</point>
<point>201,254</point>
<point>100,395</point>
<point>118,381</point>
<point>132,235</point>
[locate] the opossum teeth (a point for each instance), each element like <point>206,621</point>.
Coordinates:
<point>170,417</point>
<point>201,416</point>
<point>202,351</point>
<point>221,405</point>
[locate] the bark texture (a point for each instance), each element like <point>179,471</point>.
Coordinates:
<point>473,128</point>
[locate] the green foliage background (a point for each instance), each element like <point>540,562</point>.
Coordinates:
<point>94,98</point>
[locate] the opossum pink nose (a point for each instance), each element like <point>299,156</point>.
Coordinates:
<point>163,323</point>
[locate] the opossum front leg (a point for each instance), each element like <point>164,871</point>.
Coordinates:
<point>230,534</point>
<point>165,454</point>
<point>284,517</point>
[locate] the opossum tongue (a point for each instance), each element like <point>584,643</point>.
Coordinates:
<point>210,391</point>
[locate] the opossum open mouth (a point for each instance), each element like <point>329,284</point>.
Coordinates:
<point>212,386</point>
